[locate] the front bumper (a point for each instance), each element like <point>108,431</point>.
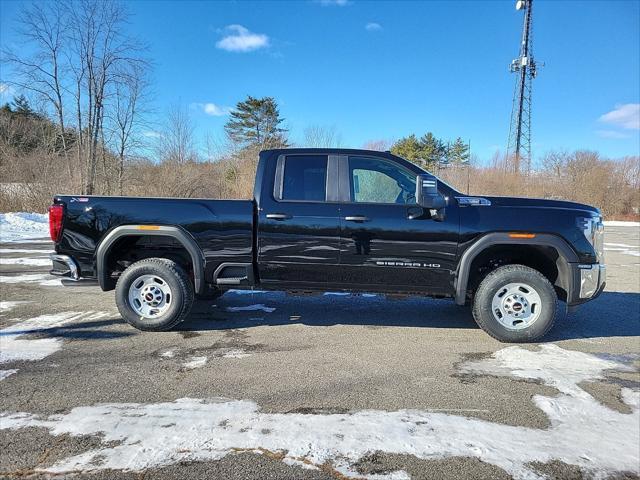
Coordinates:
<point>589,282</point>
<point>592,278</point>
<point>64,266</point>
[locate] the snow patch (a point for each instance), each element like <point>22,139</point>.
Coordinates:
<point>299,463</point>
<point>623,249</point>
<point>40,278</point>
<point>36,262</point>
<point>246,292</point>
<point>346,294</point>
<point>14,347</point>
<point>559,368</point>
<point>617,223</point>
<point>250,308</point>
<point>5,373</point>
<point>7,306</point>
<point>624,245</point>
<point>195,362</point>
<point>19,226</point>
<point>236,353</point>
<point>44,253</point>
<point>168,354</point>
<point>582,432</point>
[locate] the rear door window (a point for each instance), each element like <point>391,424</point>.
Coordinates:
<point>305,178</point>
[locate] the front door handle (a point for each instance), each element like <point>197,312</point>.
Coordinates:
<point>357,218</point>
<point>278,216</point>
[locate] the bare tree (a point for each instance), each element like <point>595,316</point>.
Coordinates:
<point>100,48</point>
<point>176,143</point>
<point>380,145</point>
<point>322,137</point>
<point>43,26</point>
<point>129,108</point>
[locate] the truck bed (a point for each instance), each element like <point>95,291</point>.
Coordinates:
<point>223,229</point>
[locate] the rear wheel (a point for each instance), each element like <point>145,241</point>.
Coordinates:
<point>515,303</point>
<point>154,294</point>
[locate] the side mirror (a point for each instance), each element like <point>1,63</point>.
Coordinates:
<point>427,195</point>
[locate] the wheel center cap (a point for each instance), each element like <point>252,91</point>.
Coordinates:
<point>517,307</point>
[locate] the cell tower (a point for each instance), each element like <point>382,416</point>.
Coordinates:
<point>519,144</point>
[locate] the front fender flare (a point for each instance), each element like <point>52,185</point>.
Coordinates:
<point>197,257</point>
<point>565,252</point>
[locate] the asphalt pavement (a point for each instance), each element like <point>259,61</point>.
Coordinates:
<point>87,396</point>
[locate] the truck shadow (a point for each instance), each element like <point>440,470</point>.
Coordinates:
<point>613,314</point>
<point>80,330</point>
<point>247,310</point>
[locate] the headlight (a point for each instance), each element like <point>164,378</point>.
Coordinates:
<point>593,230</point>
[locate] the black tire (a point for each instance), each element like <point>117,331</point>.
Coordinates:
<point>181,294</point>
<point>499,278</point>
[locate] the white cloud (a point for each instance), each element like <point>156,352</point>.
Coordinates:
<point>333,3</point>
<point>239,39</point>
<point>611,134</point>
<point>625,116</point>
<point>152,134</point>
<point>215,110</point>
<point>373,27</point>
<point>212,109</point>
<point>6,90</point>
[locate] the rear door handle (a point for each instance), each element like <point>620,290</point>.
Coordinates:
<point>357,218</point>
<point>278,216</point>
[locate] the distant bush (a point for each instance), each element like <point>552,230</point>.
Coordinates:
<point>580,176</point>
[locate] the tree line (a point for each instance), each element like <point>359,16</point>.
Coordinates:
<point>89,76</point>
<point>432,153</point>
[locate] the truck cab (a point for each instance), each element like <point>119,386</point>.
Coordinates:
<point>351,220</point>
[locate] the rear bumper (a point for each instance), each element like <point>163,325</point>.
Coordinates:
<point>64,266</point>
<point>589,282</point>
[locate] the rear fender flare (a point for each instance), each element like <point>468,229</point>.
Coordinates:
<point>197,257</point>
<point>565,252</point>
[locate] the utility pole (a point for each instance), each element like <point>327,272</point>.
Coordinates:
<point>469,168</point>
<point>519,143</point>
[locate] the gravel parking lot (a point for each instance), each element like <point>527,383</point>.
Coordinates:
<point>270,385</point>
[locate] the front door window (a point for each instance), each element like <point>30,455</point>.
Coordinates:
<point>374,180</point>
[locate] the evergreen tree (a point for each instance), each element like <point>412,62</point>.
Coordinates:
<point>21,106</point>
<point>433,150</point>
<point>408,148</point>
<point>255,122</point>
<point>427,151</point>
<point>458,153</point>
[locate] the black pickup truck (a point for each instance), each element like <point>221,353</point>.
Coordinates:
<point>336,219</point>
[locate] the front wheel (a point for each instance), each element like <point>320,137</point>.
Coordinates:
<point>515,303</point>
<point>154,294</point>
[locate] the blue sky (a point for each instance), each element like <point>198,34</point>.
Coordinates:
<point>382,70</point>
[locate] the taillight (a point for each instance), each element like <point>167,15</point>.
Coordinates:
<point>55,221</point>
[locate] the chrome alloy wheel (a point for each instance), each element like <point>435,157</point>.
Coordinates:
<point>150,296</point>
<point>516,306</point>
